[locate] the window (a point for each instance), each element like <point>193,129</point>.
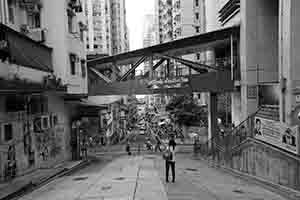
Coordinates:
<point>73,64</point>
<point>87,46</point>
<point>8,132</point>
<point>95,46</point>
<point>198,56</point>
<point>197,29</point>
<point>15,103</point>
<point>197,3</point>
<point>83,68</point>
<point>38,105</point>
<point>34,20</point>
<point>197,15</point>
<point>11,11</point>
<point>71,21</point>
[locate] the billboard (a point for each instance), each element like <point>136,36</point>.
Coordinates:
<point>277,134</point>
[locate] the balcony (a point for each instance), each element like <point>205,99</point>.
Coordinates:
<point>19,49</point>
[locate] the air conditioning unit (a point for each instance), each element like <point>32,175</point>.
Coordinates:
<point>37,34</point>
<point>42,123</point>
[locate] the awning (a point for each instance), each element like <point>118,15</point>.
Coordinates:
<point>22,87</point>
<point>24,51</point>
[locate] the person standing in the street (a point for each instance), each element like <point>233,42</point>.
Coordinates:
<point>158,143</point>
<point>170,160</point>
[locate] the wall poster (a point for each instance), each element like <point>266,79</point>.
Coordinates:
<point>277,134</point>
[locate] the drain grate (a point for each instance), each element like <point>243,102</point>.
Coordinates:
<point>80,178</point>
<point>120,179</point>
<point>106,188</point>
<point>239,191</point>
<point>191,169</point>
<point>150,157</point>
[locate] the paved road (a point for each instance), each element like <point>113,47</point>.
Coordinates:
<point>197,181</point>
<point>142,177</point>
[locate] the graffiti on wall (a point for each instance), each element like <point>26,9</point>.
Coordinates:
<point>49,143</point>
<point>27,142</point>
<point>11,166</point>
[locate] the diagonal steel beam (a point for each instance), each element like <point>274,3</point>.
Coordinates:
<point>185,62</point>
<point>99,74</point>
<point>155,66</point>
<point>158,63</point>
<point>194,65</point>
<point>133,68</point>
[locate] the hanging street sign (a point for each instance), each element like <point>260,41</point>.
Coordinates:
<point>178,82</point>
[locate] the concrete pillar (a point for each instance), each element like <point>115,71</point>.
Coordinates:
<point>210,56</point>
<point>259,49</point>
<point>212,115</point>
<point>236,108</point>
<point>289,47</point>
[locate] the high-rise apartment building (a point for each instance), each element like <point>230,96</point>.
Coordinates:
<point>43,65</point>
<point>164,13</point>
<point>178,19</point>
<point>108,31</point>
<point>149,31</point>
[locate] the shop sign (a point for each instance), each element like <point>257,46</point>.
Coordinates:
<point>168,83</point>
<point>277,134</point>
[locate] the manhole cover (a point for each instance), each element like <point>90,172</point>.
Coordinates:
<point>239,191</point>
<point>191,169</point>
<point>120,178</point>
<point>80,178</point>
<point>106,188</point>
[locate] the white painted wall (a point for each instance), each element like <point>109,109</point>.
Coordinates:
<point>64,43</point>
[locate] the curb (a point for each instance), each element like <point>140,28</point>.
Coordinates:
<point>30,187</point>
<point>284,191</point>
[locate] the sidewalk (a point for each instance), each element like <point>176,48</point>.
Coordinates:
<point>195,180</point>
<point>36,178</point>
<point>125,178</point>
<point>130,178</point>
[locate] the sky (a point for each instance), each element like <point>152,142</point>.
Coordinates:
<point>136,10</point>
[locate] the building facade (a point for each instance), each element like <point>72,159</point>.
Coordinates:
<point>43,62</point>
<point>108,31</point>
<point>266,64</point>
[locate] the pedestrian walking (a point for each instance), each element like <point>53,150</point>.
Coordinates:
<point>169,157</point>
<point>158,143</point>
<point>128,148</point>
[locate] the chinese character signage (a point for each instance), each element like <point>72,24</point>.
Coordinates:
<point>277,134</point>
<point>179,82</point>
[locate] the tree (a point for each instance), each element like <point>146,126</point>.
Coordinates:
<point>185,112</point>
<point>132,111</point>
